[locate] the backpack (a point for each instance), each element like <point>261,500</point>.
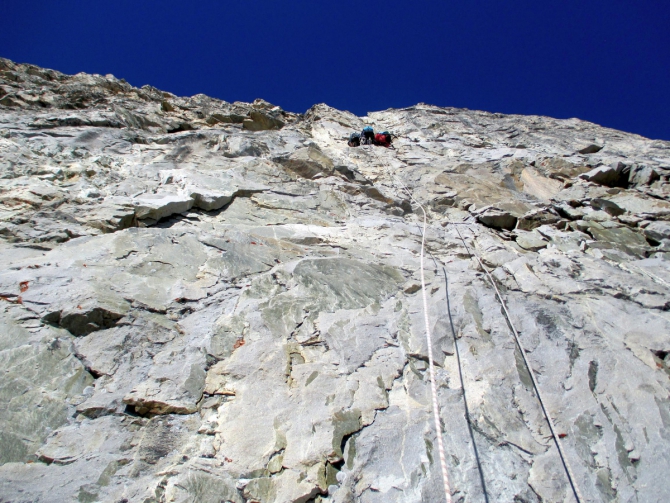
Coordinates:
<point>368,135</point>
<point>354,140</point>
<point>382,139</point>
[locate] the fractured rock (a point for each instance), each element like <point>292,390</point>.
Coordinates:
<point>38,384</point>
<point>621,238</point>
<point>309,162</point>
<point>590,149</point>
<point>536,218</point>
<point>608,206</point>
<point>538,185</point>
<point>658,231</point>
<point>532,241</point>
<point>270,344</point>
<point>642,175</point>
<point>259,121</point>
<point>603,175</point>
<point>498,219</point>
<point>158,206</point>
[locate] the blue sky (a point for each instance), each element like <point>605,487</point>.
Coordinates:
<point>606,61</point>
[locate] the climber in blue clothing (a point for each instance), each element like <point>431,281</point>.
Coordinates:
<point>354,140</point>
<point>367,135</point>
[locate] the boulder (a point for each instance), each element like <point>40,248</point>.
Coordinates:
<point>309,162</point>
<point>657,231</point>
<point>609,207</point>
<point>210,200</point>
<point>641,174</point>
<point>536,218</point>
<point>567,211</point>
<point>597,216</point>
<point>157,206</point>
<point>531,241</point>
<point>259,121</point>
<point>590,149</point>
<point>603,175</point>
<point>497,219</point>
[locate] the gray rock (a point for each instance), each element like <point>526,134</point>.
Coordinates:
<point>642,175</point>
<point>158,206</point>
<point>532,241</point>
<point>622,238</point>
<point>607,206</point>
<point>597,216</point>
<point>310,162</point>
<point>590,149</point>
<point>497,219</point>
<point>536,218</point>
<point>269,343</point>
<point>41,380</point>
<point>603,175</point>
<point>259,121</point>
<point>658,231</point>
<point>567,211</point>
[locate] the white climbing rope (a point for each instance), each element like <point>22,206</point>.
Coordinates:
<point>531,372</point>
<point>429,341</point>
<point>431,367</point>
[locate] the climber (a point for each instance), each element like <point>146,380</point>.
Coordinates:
<point>354,140</point>
<point>383,139</point>
<point>367,135</point>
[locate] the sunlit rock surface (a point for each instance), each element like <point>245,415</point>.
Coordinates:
<point>206,301</point>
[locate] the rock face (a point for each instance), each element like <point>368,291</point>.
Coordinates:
<point>205,301</point>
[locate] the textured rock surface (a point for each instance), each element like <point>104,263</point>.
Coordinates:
<point>206,301</point>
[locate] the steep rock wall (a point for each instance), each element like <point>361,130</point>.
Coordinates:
<point>205,301</point>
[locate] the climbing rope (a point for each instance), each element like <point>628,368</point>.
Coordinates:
<point>465,400</point>
<point>453,332</point>
<point>429,341</point>
<point>531,372</point>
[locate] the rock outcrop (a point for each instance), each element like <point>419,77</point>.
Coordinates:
<point>205,301</point>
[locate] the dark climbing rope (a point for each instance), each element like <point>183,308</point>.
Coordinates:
<point>465,400</point>
<point>429,342</point>
<point>564,460</point>
<point>458,355</point>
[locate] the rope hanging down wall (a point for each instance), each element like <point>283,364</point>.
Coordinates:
<point>431,366</point>
<point>531,372</point>
<point>465,400</point>
<point>564,461</point>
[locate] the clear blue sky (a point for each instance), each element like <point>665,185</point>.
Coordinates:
<point>606,61</point>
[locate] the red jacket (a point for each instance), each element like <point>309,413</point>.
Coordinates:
<point>380,139</point>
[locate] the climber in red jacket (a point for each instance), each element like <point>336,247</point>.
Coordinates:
<point>383,139</point>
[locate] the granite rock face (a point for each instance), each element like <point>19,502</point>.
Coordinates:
<point>205,301</point>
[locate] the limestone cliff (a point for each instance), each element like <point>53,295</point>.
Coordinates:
<point>206,301</point>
